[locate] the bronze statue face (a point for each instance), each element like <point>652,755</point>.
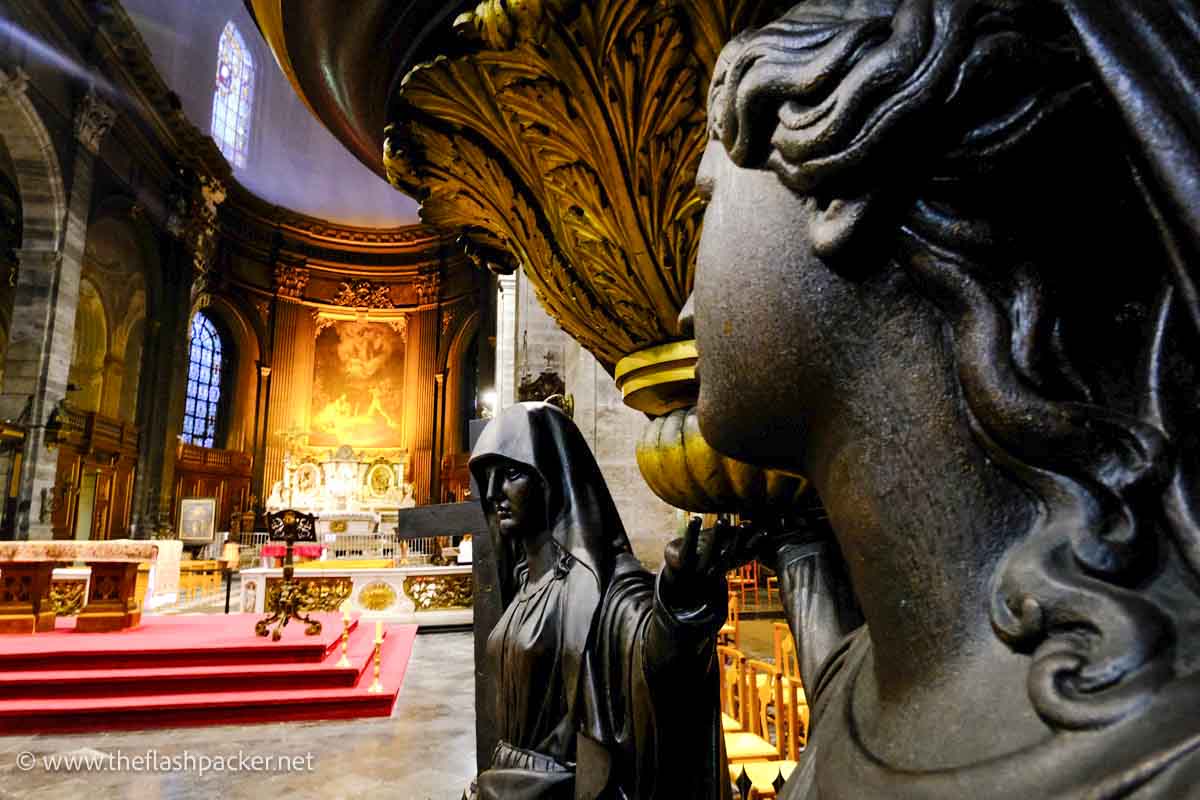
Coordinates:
<point>769,314</point>
<point>513,499</point>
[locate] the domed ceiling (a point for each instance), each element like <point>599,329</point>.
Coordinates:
<point>276,148</point>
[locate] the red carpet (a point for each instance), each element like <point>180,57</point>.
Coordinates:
<point>194,670</point>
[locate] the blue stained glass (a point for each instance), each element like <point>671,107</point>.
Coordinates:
<point>204,384</point>
<point>233,96</point>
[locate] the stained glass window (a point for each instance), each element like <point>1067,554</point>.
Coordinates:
<point>233,96</point>
<point>204,384</point>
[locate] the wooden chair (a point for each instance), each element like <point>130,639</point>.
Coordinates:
<point>761,776</point>
<point>790,729</point>
<point>736,696</point>
<point>788,663</point>
<point>743,580</point>
<point>773,586</point>
<point>729,665</point>
<point>729,631</point>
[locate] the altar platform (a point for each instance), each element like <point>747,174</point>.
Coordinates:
<point>194,670</point>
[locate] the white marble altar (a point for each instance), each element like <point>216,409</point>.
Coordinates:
<point>421,595</point>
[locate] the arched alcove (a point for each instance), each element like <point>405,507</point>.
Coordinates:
<point>86,376</point>
<point>115,265</point>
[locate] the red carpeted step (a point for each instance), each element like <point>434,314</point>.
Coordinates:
<point>181,640</point>
<point>234,698</point>
<point>198,678</point>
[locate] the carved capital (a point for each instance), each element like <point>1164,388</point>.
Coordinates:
<point>93,120</point>
<point>427,287</point>
<point>14,82</point>
<point>291,280</point>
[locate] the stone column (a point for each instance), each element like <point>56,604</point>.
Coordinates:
<point>506,342</point>
<point>162,393</point>
<point>290,387</point>
<point>43,328</point>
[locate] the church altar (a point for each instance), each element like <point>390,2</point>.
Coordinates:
<point>423,595</point>
<point>342,485</point>
<point>111,590</point>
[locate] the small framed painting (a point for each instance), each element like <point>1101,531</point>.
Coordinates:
<point>198,519</point>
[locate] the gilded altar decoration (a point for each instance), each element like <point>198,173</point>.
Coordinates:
<point>434,592</point>
<point>358,385</point>
<point>337,526</point>
<point>68,597</point>
<point>316,594</point>
<point>569,144</point>
<point>377,596</point>
<point>363,294</point>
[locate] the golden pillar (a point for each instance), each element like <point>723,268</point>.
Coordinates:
<point>293,351</point>
<point>421,401</point>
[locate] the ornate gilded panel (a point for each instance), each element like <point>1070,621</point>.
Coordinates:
<point>377,596</point>
<point>317,594</point>
<point>68,597</point>
<point>435,592</point>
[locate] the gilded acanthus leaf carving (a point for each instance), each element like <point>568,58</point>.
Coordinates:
<point>571,140</point>
<point>500,23</point>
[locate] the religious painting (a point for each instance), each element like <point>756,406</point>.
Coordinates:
<point>358,385</point>
<point>198,519</point>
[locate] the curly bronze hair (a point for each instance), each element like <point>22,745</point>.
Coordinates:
<point>986,162</point>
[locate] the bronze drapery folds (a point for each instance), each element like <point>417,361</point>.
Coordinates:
<point>968,231</point>
<point>601,673</point>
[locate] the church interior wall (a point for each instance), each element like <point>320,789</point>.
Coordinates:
<point>141,272</point>
<point>544,355</point>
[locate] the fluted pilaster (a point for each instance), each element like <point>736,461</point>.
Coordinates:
<point>421,403</point>
<point>290,393</point>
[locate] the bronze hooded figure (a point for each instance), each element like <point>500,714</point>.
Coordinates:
<point>948,271</point>
<point>598,667</point>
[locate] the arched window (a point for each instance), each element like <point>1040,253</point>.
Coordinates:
<point>205,370</point>
<point>233,96</point>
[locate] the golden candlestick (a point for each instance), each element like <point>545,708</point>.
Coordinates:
<point>344,661</point>
<point>376,686</point>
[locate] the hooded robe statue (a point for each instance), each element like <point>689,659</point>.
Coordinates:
<point>603,691</point>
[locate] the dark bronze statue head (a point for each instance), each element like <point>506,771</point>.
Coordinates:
<point>513,498</point>
<point>940,276</point>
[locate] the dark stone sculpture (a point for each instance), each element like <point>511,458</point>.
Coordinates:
<point>949,272</point>
<point>605,683</point>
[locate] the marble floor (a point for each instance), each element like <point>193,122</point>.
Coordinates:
<point>424,751</point>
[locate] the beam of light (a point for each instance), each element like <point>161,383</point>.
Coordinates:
<point>40,51</point>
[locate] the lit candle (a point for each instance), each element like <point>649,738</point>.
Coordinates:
<point>378,630</point>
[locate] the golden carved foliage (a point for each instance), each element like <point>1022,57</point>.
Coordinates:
<point>571,140</point>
